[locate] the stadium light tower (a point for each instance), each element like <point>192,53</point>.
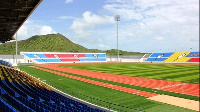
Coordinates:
<point>117,18</point>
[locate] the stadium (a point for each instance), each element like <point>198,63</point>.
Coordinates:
<point>46,79</point>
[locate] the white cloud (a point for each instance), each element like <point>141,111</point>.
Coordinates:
<point>22,33</point>
<point>65,17</point>
<point>68,1</point>
<point>46,30</point>
<point>102,46</point>
<point>31,28</point>
<point>159,38</point>
<point>84,26</point>
<point>175,20</point>
<point>141,23</point>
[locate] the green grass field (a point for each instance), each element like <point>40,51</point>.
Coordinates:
<point>179,73</point>
<point>118,97</point>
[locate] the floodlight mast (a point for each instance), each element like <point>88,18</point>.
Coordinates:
<point>117,18</point>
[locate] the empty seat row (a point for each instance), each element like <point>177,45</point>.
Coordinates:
<point>65,57</point>
<point>193,54</point>
<point>174,57</point>
<point>155,55</point>
<point>6,107</point>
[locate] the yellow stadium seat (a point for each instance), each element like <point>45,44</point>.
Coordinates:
<point>184,59</point>
<point>177,54</point>
<point>170,59</point>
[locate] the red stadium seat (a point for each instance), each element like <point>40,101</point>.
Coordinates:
<point>194,60</point>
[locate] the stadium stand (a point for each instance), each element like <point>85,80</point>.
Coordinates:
<point>39,57</point>
<point>22,93</point>
<point>194,60</point>
<point>150,59</point>
<point>174,57</point>
<point>177,57</point>
<point>158,57</point>
<point>156,54</point>
<point>5,62</point>
<point>69,60</point>
<point>29,55</point>
<point>177,54</point>
<point>193,54</point>
<point>65,55</point>
<point>185,59</point>
<point>49,56</point>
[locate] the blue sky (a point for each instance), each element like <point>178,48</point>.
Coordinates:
<point>145,25</point>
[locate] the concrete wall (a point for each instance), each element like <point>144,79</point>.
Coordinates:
<point>124,58</point>
<point>12,58</point>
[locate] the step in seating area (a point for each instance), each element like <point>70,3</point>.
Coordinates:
<point>174,57</point>
<point>19,92</point>
<point>43,57</point>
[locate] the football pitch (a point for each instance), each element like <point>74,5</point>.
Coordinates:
<point>181,73</point>
<point>171,72</point>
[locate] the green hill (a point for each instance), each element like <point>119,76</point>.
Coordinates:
<point>51,43</point>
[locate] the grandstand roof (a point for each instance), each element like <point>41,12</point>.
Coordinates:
<point>13,13</point>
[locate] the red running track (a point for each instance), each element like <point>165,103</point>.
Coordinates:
<point>124,89</point>
<point>171,86</point>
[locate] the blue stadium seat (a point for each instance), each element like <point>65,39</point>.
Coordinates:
<point>167,54</point>
<point>5,62</point>
<point>193,54</point>
<point>83,59</point>
<point>89,55</point>
<point>27,96</point>
<point>40,60</point>
<point>92,59</point>
<point>18,104</point>
<point>102,55</point>
<point>6,107</point>
<point>160,59</point>
<point>41,55</point>
<point>52,60</point>
<point>156,54</point>
<point>47,58</point>
<point>150,59</point>
<point>160,54</point>
<point>29,55</point>
<point>20,91</point>
<point>10,89</point>
<point>2,91</point>
<point>101,59</point>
